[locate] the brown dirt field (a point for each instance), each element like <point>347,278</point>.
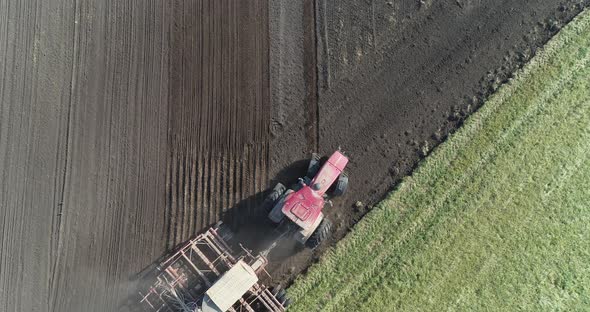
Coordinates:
<point>127,127</point>
<point>394,78</point>
<point>119,121</point>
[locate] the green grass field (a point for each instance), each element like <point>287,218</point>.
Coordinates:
<point>497,218</point>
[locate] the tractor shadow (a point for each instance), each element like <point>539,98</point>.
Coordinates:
<point>251,226</point>
<point>249,220</point>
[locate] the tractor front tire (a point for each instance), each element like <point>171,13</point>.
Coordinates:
<point>314,165</point>
<point>340,186</point>
<point>320,234</point>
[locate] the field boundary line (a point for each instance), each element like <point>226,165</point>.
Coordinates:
<point>535,106</point>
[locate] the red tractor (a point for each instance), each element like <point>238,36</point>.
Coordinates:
<point>300,208</point>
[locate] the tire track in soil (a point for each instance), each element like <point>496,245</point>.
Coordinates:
<point>310,77</point>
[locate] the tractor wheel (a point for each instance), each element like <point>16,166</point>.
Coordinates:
<point>281,295</point>
<point>276,214</point>
<point>272,198</point>
<point>341,185</point>
<point>320,234</point>
<point>314,165</point>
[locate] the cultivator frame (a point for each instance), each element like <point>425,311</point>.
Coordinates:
<point>183,278</point>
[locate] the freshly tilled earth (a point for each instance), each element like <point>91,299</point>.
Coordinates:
<point>128,127</point>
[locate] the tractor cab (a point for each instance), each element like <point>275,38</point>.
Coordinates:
<point>302,204</point>
<point>303,207</point>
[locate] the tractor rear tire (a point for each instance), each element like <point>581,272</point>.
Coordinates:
<point>272,198</point>
<point>314,165</point>
<point>320,234</point>
<point>281,295</point>
<point>341,185</point>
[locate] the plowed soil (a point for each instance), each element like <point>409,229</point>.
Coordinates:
<point>127,127</point>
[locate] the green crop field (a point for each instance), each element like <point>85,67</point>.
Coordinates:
<point>497,218</point>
